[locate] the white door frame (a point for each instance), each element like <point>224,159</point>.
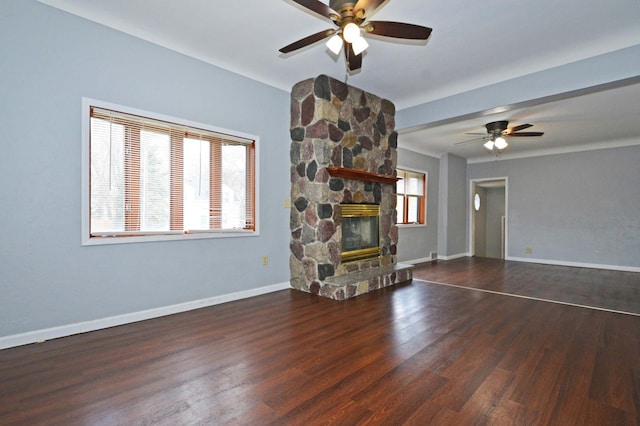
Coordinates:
<point>472,228</point>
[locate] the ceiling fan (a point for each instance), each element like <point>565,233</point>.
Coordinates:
<point>351,19</point>
<point>498,131</point>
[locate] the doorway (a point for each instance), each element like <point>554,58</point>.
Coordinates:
<point>488,218</point>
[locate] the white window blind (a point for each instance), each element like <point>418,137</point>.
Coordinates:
<point>150,177</point>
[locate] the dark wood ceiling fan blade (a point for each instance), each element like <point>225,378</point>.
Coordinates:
<point>307,40</point>
<point>517,128</point>
<point>317,7</point>
<point>369,7</point>
<point>398,30</point>
<point>526,134</point>
<point>354,62</point>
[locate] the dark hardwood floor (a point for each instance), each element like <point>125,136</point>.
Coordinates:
<point>595,288</point>
<point>418,353</point>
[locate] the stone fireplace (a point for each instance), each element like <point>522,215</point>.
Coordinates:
<point>343,166</point>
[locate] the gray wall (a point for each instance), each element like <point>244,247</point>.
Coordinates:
<point>416,242</point>
<point>50,60</point>
<point>602,69</point>
<point>573,208</point>
<point>452,208</point>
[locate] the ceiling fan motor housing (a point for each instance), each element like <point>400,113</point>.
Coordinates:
<point>497,127</point>
<point>339,4</point>
<point>346,13</point>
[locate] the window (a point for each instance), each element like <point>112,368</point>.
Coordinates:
<point>411,193</point>
<point>151,178</point>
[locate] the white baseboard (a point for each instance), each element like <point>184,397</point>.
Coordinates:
<point>576,264</point>
<point>453,256</point>
<point>417,261</point>
<point>86,326</point>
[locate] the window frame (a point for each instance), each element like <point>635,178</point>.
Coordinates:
<point>423,205</point>
<point>88,240</point>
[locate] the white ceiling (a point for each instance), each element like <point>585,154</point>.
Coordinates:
<point>473,44</point>
<point>595,120</point>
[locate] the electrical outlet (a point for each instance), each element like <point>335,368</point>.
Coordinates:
<point>265,260</point>
<point>528,250</point>
<point>287,203</point>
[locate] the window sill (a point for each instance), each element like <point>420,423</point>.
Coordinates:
<point>97,241</point>
<point>411,225</point>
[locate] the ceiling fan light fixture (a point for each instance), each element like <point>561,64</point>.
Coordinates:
<point>501,143</point>
<point>359,45</point>
<point>351,32</point>
<point>350,18</point>
<point>335,44</point>
<point>489,145</point>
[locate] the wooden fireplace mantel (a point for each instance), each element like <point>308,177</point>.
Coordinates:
<point>354,174</point>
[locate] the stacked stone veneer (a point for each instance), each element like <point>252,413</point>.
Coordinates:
<point>336,125</point>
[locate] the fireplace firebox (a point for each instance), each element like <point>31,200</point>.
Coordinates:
<point>360,232</point>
